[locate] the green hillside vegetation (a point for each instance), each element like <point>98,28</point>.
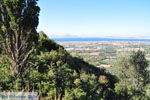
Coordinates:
<point>133,74</point>
<point>31,62</point>
<point>55,74</point>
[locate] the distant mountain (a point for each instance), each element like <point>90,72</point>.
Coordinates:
<point>129,37</point>
<point>107,36</point>
<point>63,36</point>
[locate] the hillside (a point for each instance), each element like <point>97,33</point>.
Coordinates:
<point>54,73</point>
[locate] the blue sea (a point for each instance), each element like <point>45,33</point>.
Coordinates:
<point>96,39</point>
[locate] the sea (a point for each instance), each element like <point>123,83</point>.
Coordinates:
<point>96,39</point>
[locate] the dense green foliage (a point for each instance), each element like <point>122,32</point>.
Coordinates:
<point>32,62</point>
<point>18,37</point>
<point>133,75</point>
<point>55,74</point>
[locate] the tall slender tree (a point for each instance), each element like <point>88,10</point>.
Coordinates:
<point>18,23</point>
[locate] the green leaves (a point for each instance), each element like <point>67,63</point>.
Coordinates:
<point>132,71</point>
<point>18,23</point>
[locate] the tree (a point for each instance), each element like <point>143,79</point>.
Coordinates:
<point>45,44</point>
<point>131,69</point>
<point>140,64</point>
<point>18,23</point>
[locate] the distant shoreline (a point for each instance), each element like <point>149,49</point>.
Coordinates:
<point>96,39</point>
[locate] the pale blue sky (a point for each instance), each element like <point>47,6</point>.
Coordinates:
<point>95,18</point>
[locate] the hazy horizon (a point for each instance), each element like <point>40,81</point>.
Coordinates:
<point>119,37</point>
<point>95,18</point>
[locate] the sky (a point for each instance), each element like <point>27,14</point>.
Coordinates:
<point>95,18</point>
